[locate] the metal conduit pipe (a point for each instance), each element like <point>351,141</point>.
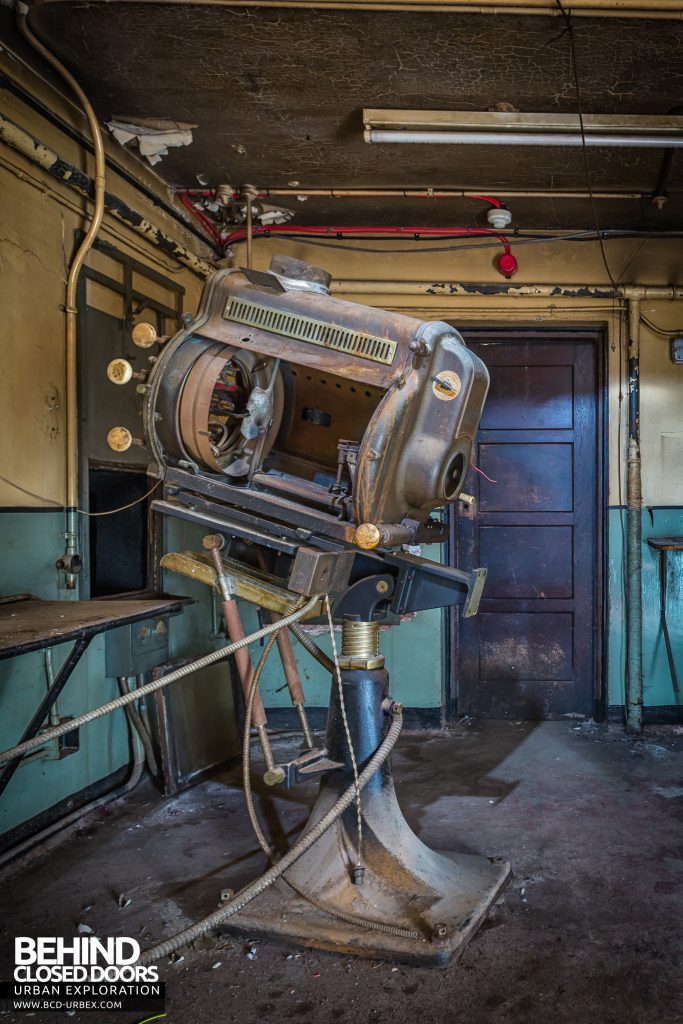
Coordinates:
<point>634,504</point>
<point>434,193</point>
<point>71,561</point>
<point>456,289</point>
<point>46,158</point>
<point>136,723</point>
<point>668,9</point>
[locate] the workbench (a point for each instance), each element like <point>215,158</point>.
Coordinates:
<point>30,624</point>
<point>664,545</point>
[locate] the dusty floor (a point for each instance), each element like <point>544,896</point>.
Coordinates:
<point>589,929</point>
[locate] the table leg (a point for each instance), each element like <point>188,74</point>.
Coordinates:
<point>33,728</point>
<point>665,627</point>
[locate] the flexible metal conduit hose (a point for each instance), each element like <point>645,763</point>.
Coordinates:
<point>370,924</point>
<point>255,888</point>
<point>312,648</point>
<point>156,684</point>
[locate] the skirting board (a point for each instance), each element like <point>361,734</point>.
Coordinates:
<point>662,714</point>
<point>428,719</point>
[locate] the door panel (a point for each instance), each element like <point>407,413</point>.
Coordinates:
<point>530,477</point>
<point>530,652</point>
<point>527,561</point>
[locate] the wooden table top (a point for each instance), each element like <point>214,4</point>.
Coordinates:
<point>29,624</point>
<point>666,543</point>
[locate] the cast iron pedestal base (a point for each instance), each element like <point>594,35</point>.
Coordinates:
<point>442,898</point>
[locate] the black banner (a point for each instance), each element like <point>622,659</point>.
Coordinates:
<point>60,996</point>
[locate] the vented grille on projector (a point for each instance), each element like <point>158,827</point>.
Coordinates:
<point>315,332</point>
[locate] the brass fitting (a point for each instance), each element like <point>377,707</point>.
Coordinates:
<point>367,536</point>
<point>360,645</point>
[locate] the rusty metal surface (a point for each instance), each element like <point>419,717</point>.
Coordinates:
<point>298,81</point>
<point>359,443</point>
<point>406,884</point>
<point>256,587</point>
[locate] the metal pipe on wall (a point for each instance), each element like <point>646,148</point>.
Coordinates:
<point>462,289</point>
<point>634,505</point>
<point>437,193</point>
<point>47,159</point>
<point>664,9</point>
<point>70,563</point>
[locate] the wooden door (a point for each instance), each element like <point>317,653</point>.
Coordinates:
<point>530,653</point>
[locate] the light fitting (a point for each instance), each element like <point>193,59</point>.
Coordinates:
<point>512,128</point>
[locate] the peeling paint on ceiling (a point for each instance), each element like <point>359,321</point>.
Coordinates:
<point>277,96</point>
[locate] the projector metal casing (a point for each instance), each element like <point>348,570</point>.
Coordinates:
<point>403,395</point>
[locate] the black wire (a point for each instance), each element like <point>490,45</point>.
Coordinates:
<point>584,149</point>
<point>517,239</point>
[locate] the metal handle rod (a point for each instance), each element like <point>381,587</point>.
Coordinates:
<point>290,667</point>
<point>293,679</point>
<point>236,632</point>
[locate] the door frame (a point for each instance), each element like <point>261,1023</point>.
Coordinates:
<point>598,334</point>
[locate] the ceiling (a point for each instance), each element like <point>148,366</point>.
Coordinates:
<point>277,97</point>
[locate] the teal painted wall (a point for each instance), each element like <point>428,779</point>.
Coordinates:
<point>413,659</point>
<point>657,686</point>
<point>28,542</point>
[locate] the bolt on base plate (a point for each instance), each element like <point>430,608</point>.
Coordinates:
<point>443,896</point>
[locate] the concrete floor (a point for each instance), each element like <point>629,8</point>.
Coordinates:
<point>589,930</point>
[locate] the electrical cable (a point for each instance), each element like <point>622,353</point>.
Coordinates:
<point>156,684</point>
<point>316,230</point>
<point>31,494</point>
<point>518,239</point>
<point>569,27</point>
<point>122,508</point>
<point>255,888</point>
<point>660,330</point>
<point>309,645</point>
<point>487,199</point>
<point>347,730</point>
<point>356,920</point>
<point>81,511</point>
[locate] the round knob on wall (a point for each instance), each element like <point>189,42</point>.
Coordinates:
<point>144,335</point>
<point>119,371</point>
<point>119,439</point>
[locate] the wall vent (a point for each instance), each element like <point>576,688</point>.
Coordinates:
<point>315,332</point>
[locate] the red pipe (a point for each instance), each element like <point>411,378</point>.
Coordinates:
<point>203,220</point>
<point>507,264</point>
<point>487,199</point>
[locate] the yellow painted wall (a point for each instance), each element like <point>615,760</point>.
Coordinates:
<point>630,261</point>
<point>39,218</point>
